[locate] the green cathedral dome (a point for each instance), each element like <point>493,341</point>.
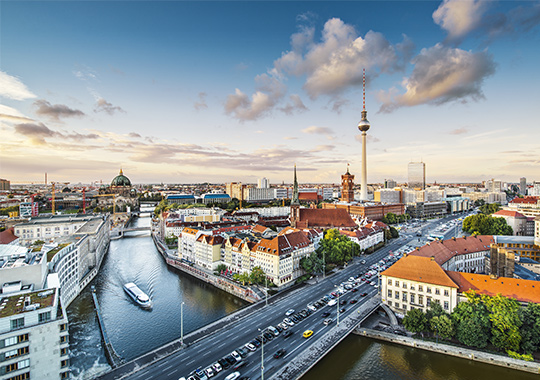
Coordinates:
<point>121,180</point>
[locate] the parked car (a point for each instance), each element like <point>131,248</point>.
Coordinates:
<point>289,312</point>
<point>250,346</point>
<point>287,333</point>
<point>279,353</point>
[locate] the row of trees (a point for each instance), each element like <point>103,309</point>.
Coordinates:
<point>256,276</point>
<point>481,320</point>
<point>489,208</point>
<point>392,218</point>
<point>482,224</point>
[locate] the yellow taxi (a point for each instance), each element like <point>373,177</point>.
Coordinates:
<point>307,333</point>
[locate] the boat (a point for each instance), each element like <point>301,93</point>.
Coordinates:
<point>138,295</point>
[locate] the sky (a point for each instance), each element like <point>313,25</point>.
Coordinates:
<point>200,91</point>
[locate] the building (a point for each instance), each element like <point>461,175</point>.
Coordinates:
<point>527,206</point>
<point>516,220</point>
<point>487,197</point>
<point>262,183</point>
<point>8,237</point>
<point>5,185</point>
<point>415,282</point>
<point>535,189</point>
<point>215,198</point>
<point>426,209</point>
<point>389,184</point>
<point>347,185</point>
<point>34,338</point>
<point>367,236</point>
<point>235,190</point>
<point>253,194</point>
<point>417,175</point>
<point>523,186</point>
<point>494,185</point>
<point>119,193</point>
<point>181,198</point>
<point>371,211</point>
<point>457,204</point>
<point>391,195</point>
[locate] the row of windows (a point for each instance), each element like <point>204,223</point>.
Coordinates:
<point>15,353</point>
<point>420,287</point>
<point>13,340</point>
<point>15,366</point>
<point>446,306</point>
<point>19,322</point>
<point>22,376</point>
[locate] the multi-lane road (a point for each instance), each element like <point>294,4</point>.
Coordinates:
<point>210,349</point>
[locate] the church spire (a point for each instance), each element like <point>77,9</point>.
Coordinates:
<point>294,200</point>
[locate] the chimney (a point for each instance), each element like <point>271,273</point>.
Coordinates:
<point>432,258</point>
<point>493,276</point>
<point>27,301</point>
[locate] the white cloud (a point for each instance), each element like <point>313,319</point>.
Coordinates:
<point>12,88</point>
<point>460,17</point>
<point>442,74</point>
<point>317,130</point>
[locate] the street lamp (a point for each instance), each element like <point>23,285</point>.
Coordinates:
<point>262,354</point>
<point>182,323</point>
<point>323,266</point>
<point>266,283</point>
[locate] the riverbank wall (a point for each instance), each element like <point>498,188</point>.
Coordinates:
<point>445,349</point>
<point>243,292</point>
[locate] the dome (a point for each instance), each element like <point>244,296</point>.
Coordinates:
<point>121,180</point>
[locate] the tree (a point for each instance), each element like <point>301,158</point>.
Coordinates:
<point>489,208</point>
<point>258,276</point>
<point>415,321</point>
<point>221,268</point>
<point>505,322</point>
<point>443,326</point>
<point>530,329</point>
<point>471,319</point>
<point>482,224</point>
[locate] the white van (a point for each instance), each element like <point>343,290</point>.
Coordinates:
<point>273,330</point>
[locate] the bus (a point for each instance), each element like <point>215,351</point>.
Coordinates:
<point>434,237</point>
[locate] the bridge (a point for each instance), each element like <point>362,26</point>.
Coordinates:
<point>210,343</point>
<point>118,233</point>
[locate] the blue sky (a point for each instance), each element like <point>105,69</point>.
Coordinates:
<point>182,92</point>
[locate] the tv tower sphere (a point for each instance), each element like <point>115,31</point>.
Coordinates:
<point>363,125</point>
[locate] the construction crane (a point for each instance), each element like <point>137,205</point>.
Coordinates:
<point>53,193</point>
<point>114,199</point>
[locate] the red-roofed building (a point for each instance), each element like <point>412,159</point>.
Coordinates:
<point>309,197</point>
<point>528,206</point>
<point>8,237</point>
<point>514,219</point>
<point>321,218</point>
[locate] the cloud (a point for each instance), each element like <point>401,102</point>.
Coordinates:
<point>56,111</point>
<point>317,130</point>
<point>458,17</point>
<point>338,103</point>
<point>323,148</point>
<point>37,132</point>
<point>369,138</point>
<point>290,138</point>
<point>269,90</point>
<point>134,135</point>
<point>104,106</point>
<point>336,62</point>
<point>10,114</point>
<point>12,88</point>
<point>440,75</point>
<point>201,104</point>
<point>296,104</point>
<point>459,131</point>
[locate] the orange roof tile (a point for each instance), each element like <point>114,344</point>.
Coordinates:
<point>7,236</point>
<point>326,218</point>
<point>529,199</point>
<point>444,250</point>
<point>521,290</point>
<point>513,214</point>
<point>420,269</point>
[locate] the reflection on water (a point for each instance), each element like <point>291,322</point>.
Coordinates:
<point>359,358</point>
<point>132,330</point>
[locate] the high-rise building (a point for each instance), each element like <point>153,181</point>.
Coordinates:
<point>262,183</point>
<point>389,184</point>
<point>417,175</point>
<point>494,185</point>
<point>5,184</point>
<point>347,184</point>
<point>363,126</point>
<point>523,186</point>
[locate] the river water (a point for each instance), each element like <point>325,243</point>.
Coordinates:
<point>134,331</point>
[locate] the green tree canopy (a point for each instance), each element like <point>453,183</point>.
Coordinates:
<point>443,326</point>
<point>482,224</point>
<point>471,318</point>
<point>415,321</point>
<point>530,329</point>
<point>505,322</point>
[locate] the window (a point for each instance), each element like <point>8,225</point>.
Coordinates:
<point>63,351</point>
<point>428,302</point>
<point>445,305</point>
<point>404,296</point>
<point>389,293</point>
<point>446,292</point>
<point>389,281</point>
<point>22,376</point>
<point>63,339</point>
<point>389,303</point>
<point>412,287</point>
<point>397,305</point>
<point>64,375</point>
<point>17,323</point>
<point>420,299</point>
<point>428,290</point>
<point>10,354</point>
<point>412,298</point>
<point>420,288</point>
<point>397,295</point>
<point>44,317</point>
<point>437,291</point>
<point>24,363</point>
<point>397,283</point>
<point>63,327</point>
<point>404,285</point>
<point>10,341</point>
<point>64,363</point>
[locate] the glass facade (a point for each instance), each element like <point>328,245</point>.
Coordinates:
<point>417,175</point>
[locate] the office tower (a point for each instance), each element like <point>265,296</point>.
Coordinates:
<point>417,175</point>
<point>523,186</point>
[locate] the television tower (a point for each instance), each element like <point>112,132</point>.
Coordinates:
<point>363,126</point>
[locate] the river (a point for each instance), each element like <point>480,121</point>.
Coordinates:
<point>134,331</point>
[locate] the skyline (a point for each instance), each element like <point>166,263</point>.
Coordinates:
<point>185,92</point>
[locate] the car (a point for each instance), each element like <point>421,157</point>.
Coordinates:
<point>283,326</point>
<point>351,279</point>
<point>289,312</point>
<point>240,365</point>
<point>343,302</point>
<point>193,378</point>
<point>255,342</point>
<point>236,356</point>
<point>354,290</point>
<point>243,352</point>
<point>268,335</point>
<point>334,294</point>
<point>210,372</point>
<point>325,314</point>
<point>233,376</point>
<point>311,307</point>
<point>231,359</point>
<point>279,328</point>
<point>261,338</point>
<point>217,367</point>
<point>332,303</point>
<point>224,363</point>
<point>287,333</point>
<point>200,374</point>
<point>288,321</point>
<point>328,321</point>
<point>354,301</point>
<point>250,346</point>
<point>279,353</point>
<point>342,310</point>
<point>273,330</point>
<point>294,319</point>
<point>307,333</point>
<point>363,262</point>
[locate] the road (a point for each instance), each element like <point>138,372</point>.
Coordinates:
<point>208,350</point>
